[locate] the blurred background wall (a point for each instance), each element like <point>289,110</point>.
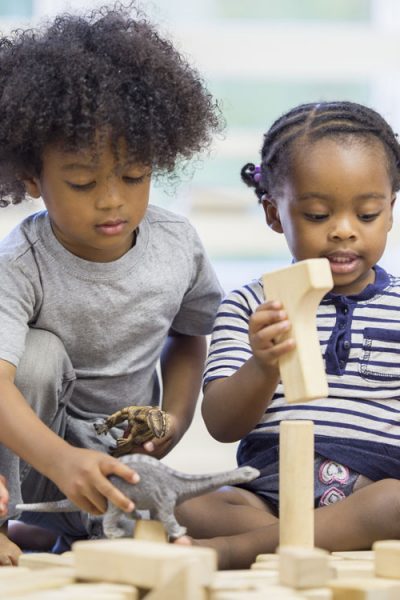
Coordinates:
<point>259,58</point>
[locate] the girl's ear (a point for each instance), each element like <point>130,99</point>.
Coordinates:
<point>391,209</point>
<point>32,187</point>
<point>272,214</point>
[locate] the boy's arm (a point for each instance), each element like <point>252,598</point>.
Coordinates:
<point>182,364</point>
<point>81,474</point>
<point>232,406</point>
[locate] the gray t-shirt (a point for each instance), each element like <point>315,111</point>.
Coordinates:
<point>114,317</point>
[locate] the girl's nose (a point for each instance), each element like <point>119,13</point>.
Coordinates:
<point>343,229</point>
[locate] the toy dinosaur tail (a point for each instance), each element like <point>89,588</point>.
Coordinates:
<point>56,506</point>
<point>202,484</point>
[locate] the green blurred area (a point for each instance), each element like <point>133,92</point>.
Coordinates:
<point>16,8</point>
<point>295,10</point>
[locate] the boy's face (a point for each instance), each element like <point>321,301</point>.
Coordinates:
<point>336,203</point>
<point>95,202</point>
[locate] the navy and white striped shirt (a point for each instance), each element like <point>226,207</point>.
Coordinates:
<point>359,423</point>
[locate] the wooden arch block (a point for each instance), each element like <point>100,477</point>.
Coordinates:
<point>300,288</point>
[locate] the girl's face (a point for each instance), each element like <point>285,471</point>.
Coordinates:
<point>94,201</point>
<point>336,203</point>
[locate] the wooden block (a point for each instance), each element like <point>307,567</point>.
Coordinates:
<point>296,483</point>
<point>300,288</point>
<point>33,581</point>
<point>150,530</point>
<point>365,589</point>
<point>89,591</point>
<point>273,557</point>
<point>184,584</point>
<point>352,568</point>
<point>303,567</point>
<point>45,560</point>
<point>317,594</point>
<point>274,592</point>
<point>242,580</point>
<point>355,555</point>
<point>387,558</point>
<point>138,562</point>
<point>11,573</point>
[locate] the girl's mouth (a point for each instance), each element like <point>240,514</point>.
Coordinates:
<point>342,263</point>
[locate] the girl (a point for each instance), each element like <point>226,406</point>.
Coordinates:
<point>328,178</point>
<point>100,286</point>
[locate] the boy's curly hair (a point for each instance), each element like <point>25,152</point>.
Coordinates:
<point>111,72</point>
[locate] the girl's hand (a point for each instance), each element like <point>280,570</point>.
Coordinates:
<point>159,447</point>
<point>83,477</point>
<point>267,326</point>
<point>3,497</point>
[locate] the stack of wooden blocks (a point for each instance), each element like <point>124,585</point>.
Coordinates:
<point>136,569</point>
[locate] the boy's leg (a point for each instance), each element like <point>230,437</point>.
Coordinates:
<point>355,523</point>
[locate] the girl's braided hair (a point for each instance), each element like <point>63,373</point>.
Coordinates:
<point>311,122</point>
<point>108,72</point>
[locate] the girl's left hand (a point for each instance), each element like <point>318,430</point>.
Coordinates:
<point>159,447</point>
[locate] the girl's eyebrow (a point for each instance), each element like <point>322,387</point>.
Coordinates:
<point>327,197</point>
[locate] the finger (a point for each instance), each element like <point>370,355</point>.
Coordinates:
<point>270,335</point>
<point>266,318</point>
<point>149,446</point>
<point>116,497</point>
<point>269,305</point>
<point>116,467</point>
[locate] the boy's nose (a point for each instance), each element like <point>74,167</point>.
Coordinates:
<point>109,198</point>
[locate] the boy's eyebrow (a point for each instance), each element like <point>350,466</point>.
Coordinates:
<point>75,166</point>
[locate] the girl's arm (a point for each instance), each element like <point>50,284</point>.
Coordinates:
<point>233,406</point>
<point>80,473</point>
<point>182,363</point>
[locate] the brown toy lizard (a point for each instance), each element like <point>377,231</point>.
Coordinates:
<point>144,423</point>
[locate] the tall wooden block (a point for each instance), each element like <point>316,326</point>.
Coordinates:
<point>303,567</point>
<point>296,483</point>
<point>300,288</point>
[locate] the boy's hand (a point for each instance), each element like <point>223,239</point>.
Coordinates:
<point>159,447</point>
<point>9,552</point>
<point>3,497</point>
<point>83,477</point>
<point>266,327</point>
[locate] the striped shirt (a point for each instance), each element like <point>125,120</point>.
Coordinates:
<point>359,423</point>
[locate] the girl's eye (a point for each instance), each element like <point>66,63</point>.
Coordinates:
<point>315,216</point>
<point>368,218</point>
<point>134,180</point>
<point>81,187</point>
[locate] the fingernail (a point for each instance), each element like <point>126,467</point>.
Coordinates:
<point>130,507</point>
<point>135,478</point>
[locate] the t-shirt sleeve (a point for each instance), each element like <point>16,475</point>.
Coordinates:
<point>230,347</point>
<point>201,300</point>
<point>17,308</point>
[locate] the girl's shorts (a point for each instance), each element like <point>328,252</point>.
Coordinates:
<point>332,483</point>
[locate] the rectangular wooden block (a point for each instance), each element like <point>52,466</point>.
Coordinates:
<point>365,589</point>
<point>387,558</point>
<point>45,560</point>
<point>25,582</point>
<point>303,567</point>
<point>138,562</point>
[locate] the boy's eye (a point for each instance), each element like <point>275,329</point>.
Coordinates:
<point>368,217</point>
<point>134,180</point>
<point>81,187</point>
<point>316,216</point>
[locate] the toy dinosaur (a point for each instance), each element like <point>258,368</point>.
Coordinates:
<point>159,490</point>
<point>144,423</point>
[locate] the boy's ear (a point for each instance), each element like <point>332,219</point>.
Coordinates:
<point>391,208</point>
<point>32,187</point>
<point>272,214</point>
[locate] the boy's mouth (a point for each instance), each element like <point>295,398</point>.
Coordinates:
<point>112,227</point>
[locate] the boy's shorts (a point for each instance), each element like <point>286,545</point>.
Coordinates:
<point>332,483</point>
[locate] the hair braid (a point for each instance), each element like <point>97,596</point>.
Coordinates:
<point>313,122</point>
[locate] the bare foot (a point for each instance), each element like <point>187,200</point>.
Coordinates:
<point>9,552</point>
<point>185,540</point>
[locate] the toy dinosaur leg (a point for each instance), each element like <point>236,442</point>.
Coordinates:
<point>115,523</point>
<point>172,527</point>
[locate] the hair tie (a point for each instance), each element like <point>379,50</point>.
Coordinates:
<point>254,172</point>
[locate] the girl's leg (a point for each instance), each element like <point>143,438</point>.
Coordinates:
<point>225,512</point>
<point>355,523</point>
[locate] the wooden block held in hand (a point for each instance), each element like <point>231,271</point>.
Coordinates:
<point>300,288</point>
